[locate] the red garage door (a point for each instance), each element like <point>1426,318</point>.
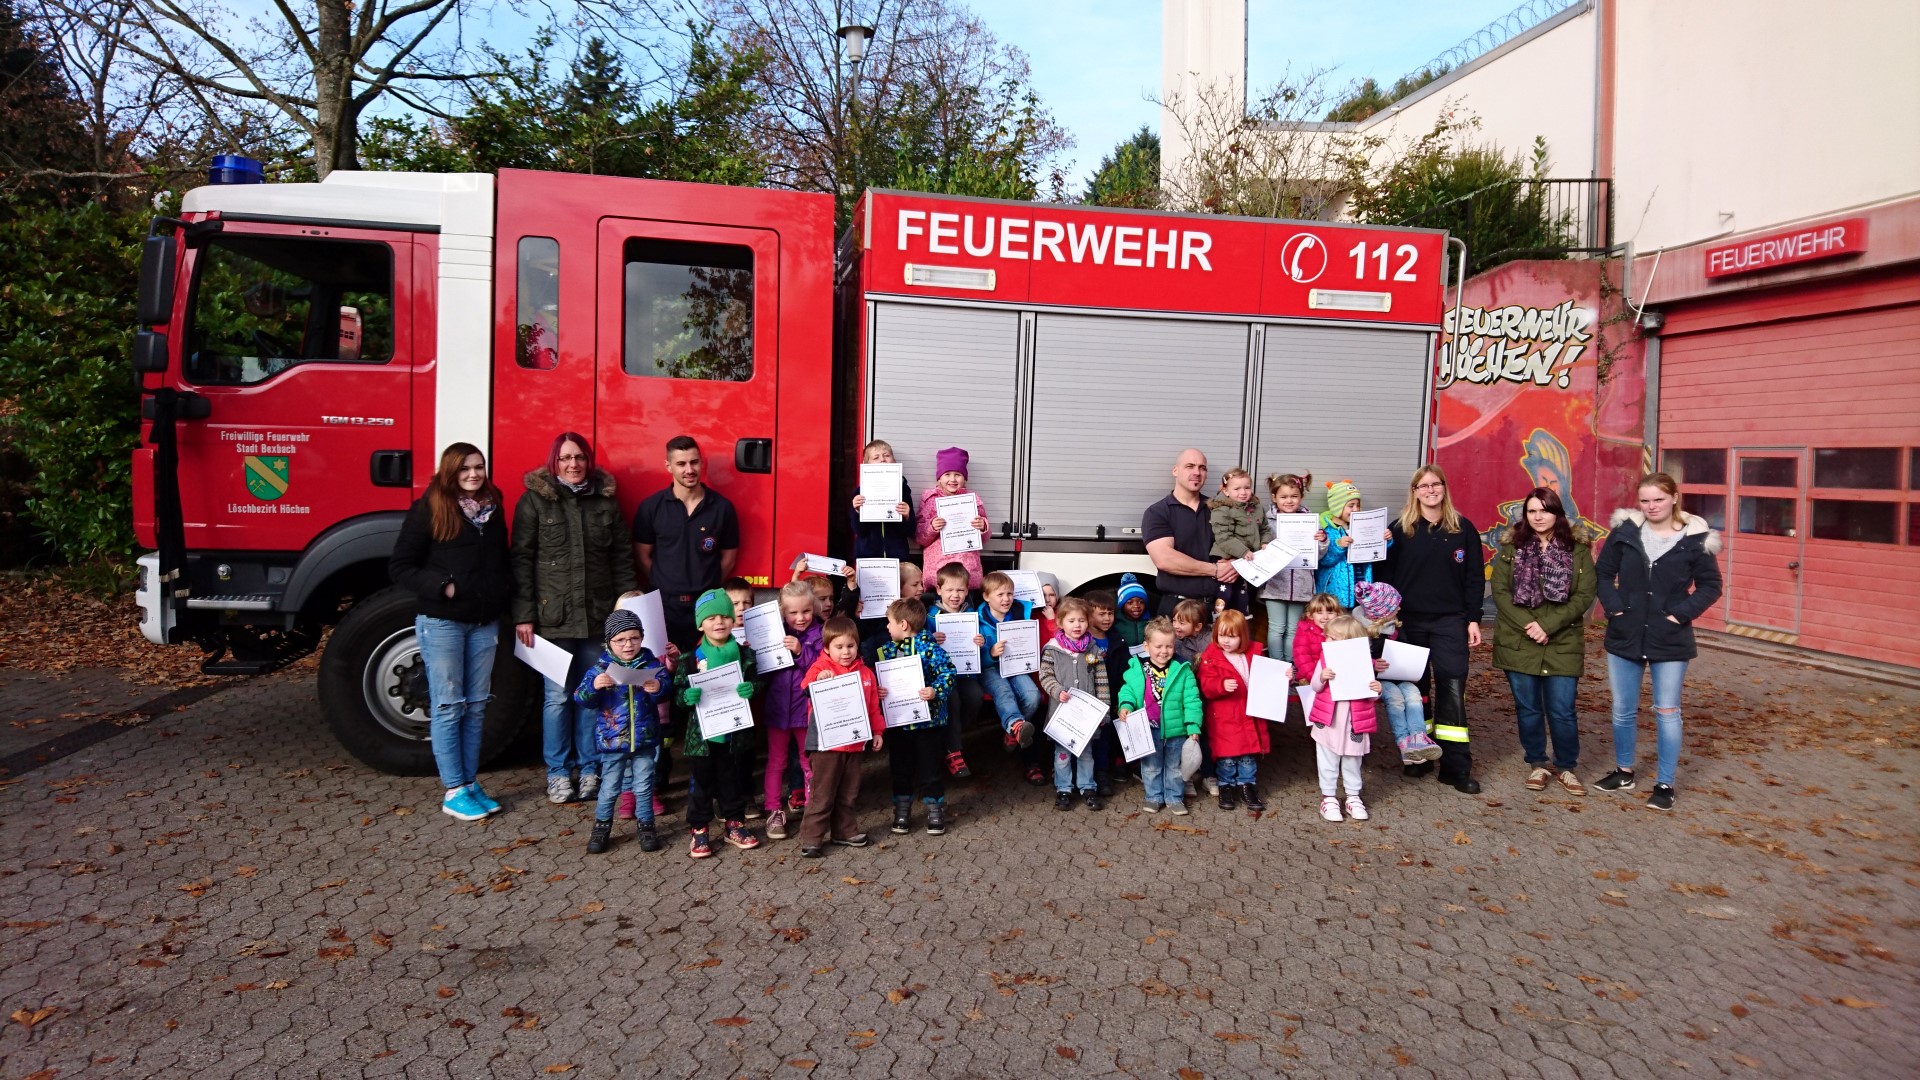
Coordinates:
<point>1792,421</point>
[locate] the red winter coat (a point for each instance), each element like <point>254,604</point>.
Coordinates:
<point>1229,730</point>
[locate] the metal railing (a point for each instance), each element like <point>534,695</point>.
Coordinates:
<point>1526,219</point>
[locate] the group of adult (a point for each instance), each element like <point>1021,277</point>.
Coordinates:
<point>1655,575</point>
<point>569,556</point>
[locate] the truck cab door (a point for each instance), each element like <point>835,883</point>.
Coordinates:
<point>688,344</point>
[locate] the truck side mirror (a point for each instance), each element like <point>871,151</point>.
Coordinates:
<point>155,300</point>
<point>149,351</point>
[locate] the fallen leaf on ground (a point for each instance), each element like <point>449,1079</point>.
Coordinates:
<point>27,1019</point>
<point>731,1021</point>
<point>1847,1000</point>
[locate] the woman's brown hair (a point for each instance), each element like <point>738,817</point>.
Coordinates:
<point>443,492</point>
<point>1521,530</point>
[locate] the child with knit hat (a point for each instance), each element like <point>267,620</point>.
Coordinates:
<point>1337,575</point>
<point>719,764</point>
<point>626,727</point>
<point>950,466</point>
<point>1378,609</point>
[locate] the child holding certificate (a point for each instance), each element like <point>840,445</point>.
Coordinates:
<point>950,467</point>
<point>1015,697</point>
<point>626,707</point>
<point>1379,612</point>
<point>1239,529</point>
<point>1341,730</point>
<point>950,598</point>
<point>1165,688</point>
<point>882,539</point>
<point>836,769</point>
<point>719,763</point>
<point>914,751</point>
<point>1286,593</point>
<point>783,711</point>
<point>1234,738</point>
<point>1071,661</point>
<point>1336,573</point>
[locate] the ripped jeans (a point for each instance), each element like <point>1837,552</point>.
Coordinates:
<point>1625,676</point>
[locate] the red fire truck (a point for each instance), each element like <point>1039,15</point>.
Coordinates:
<point>307,349</point>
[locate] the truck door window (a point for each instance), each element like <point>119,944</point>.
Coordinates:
<point>689,310</point>
<point>262,304</point>
<point>537,326</point>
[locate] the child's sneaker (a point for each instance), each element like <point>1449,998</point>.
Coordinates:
<point>462,806</point>
<point>1213,787</point>
<point>739,836</point>
<point>1094,801</point>
<point>1329,808</point>
<point>1022,734</point>
<point>1617,780</point>
<point>856,840</point>
<point>957,765</point>
<point>777,825</point>
<point>1036,775</point>
<point>588,788</point>
<point>602,837</point>
<point>697,845</point>
<point>796,801</point>
<point>1405,743</point>
<point>649,839</point>
<point>623,808</point>
<point>1179,809</point>
<point>1063,800</point>
<point>487,802</point>
<point>936,819</point>
<point>755,812</point>
<point>559,790</point>
<point>1151,808</point>
<point>1356,809</point>
<point>902,817</point>
<point>813,852</point>
<point>1424,748</point>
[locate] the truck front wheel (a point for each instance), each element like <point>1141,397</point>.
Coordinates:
<point>373,689</point>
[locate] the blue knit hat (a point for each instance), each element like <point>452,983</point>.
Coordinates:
<point>1130,590</point>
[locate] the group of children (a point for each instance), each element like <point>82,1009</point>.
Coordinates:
<point>1191,680</point>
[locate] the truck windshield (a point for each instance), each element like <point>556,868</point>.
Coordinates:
<point>262,304</point>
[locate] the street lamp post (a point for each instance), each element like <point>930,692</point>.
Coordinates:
<point>853,41</point>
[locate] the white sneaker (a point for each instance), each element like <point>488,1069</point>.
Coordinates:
<point>559,789</point>
<point>1213,787</point>
<point>1356,809</point>
<point>1330,808</point>
<point>589,787</point>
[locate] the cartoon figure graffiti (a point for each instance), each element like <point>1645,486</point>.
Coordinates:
<point>1547,465</point>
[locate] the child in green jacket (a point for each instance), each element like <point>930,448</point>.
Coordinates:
<point>1166,689</point>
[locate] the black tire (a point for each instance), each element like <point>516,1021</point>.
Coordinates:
<point>362,655</point>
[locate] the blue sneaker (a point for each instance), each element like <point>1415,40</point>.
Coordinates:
<point>487,802</point>
<point>463,806</point>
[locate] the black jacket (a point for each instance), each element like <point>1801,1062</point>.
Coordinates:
<point>1639,595</point>
<point>475,561</point>
<point>1437,572</point>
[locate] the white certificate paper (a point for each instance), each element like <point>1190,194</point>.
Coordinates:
<point>901,681</point>
<point>636,676</point>
<point>653,621</point>
<point>840,711</point>
<point>879,584</point>
<point>1258,567</point>
<point>1405,663</point>
<point>1136,734</point>
<point>1296,532</point>
<point>1022,653</point>
<point>958,512</point>
<point>1268,686</point>
<point>882,485</point>
<point>826,564</point>
<point>722,710</point>
<point>767,636</point>
<point>546,658</point>
<point>1351,662</point>
<point>1368,531</point>
<point>1306,696</point>
<point>1026,586</point>
<point>960,628</point>
<point>1076,721</point>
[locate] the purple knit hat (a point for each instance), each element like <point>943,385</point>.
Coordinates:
<point>952,459</point>
<point>1377,600</point>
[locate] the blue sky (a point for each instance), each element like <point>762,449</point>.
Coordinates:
<point>1094,61</point>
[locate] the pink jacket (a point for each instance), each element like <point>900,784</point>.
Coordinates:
<point>931,557</point>
<point>1363,715</point>
<point>1306,649</point>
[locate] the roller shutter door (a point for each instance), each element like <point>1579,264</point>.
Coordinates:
<point>1344,403</point>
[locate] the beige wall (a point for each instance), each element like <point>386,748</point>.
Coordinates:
<point>1737,115</point>
<point>1539,85</point>
<point>1203,46</point>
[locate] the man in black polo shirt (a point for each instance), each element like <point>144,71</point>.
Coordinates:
<point>687,539</point>
<point>1179,539</point>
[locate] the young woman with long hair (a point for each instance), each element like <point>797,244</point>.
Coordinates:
<point>1543,584</point>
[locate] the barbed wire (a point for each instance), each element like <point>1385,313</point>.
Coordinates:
<point>1497,33</point>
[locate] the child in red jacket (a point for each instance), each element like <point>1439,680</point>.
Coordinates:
<point>836,769</point>
<point>1233,736</point>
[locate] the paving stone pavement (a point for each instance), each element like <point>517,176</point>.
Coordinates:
<point>224,892</point>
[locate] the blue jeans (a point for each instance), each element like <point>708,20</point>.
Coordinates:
<point>1160,772</point>
<point>1405,714</point>
<point>459,659</point>
<point>1236,770</point>
<point>1015,697</point>
<point>1625,675</point>
<point>1543,703</point>
<point>621,772</point>
<point>566,729</point>
<point>1283,618</point>
<point>1069,771</point>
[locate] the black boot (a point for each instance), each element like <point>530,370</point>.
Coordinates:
<point>936,818</point>
<point>1417,769</point>
<point>601,839</point>
<point>902,815</point>
<point>1229,797</point>
<point>1456,755</point>
<point>649,839</point>
<point>1250,795</point>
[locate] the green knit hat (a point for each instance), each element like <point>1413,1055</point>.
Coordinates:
<point>712,602</point>
<point>1339,494</point>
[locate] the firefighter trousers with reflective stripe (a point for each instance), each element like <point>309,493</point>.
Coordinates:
<point>1446,637</point>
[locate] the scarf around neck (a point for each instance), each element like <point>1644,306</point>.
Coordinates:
<point>1542,574</point>
<point>476,511</point>
<point>1061,639</point>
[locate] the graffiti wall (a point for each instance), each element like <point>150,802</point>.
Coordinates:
<point>1521,402</point>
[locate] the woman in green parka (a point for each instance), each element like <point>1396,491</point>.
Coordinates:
<point>1543,585</point>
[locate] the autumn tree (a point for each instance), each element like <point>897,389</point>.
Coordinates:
<point>1270,157</point>
<point>1130,174</point>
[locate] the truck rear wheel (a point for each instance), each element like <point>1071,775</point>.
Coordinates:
<point>373,688</point>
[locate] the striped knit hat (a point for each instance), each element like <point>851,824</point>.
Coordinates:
<point>1339,494</point>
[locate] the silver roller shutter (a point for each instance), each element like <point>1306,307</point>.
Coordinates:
<point>944,376</point>
<point>1344,403</point>
<point>1115,401</point>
